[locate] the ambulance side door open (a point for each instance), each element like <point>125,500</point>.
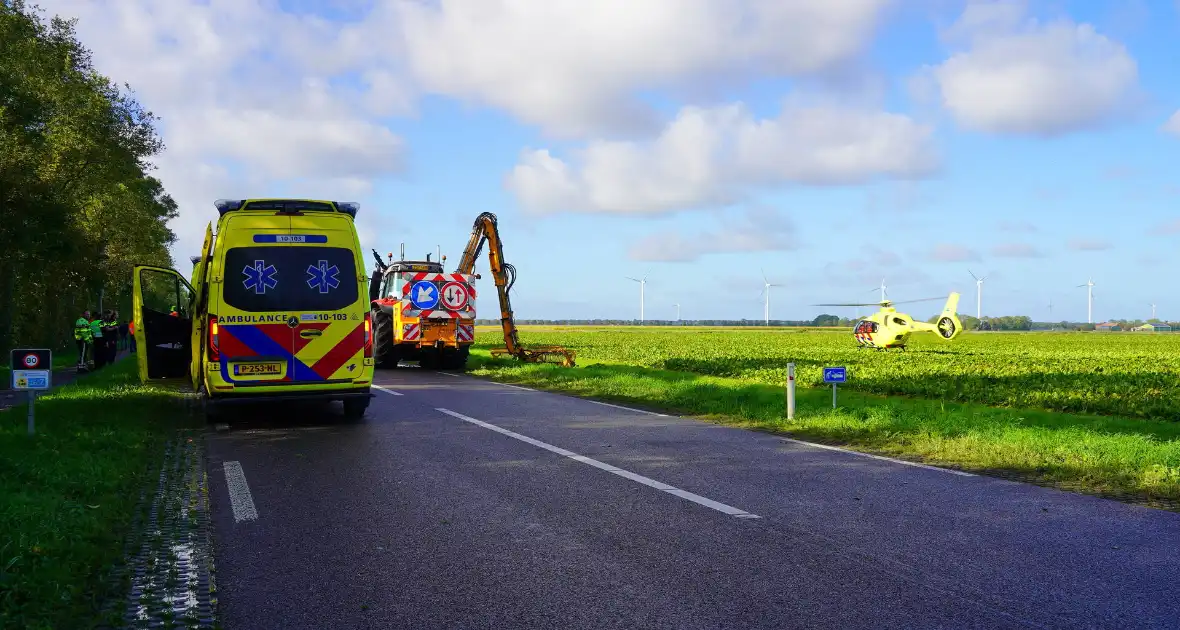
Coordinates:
<point>163,340</point>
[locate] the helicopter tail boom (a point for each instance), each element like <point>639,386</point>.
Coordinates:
<point>947,326</point>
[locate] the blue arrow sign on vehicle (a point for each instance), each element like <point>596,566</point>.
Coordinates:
<point>835,375</point>
<point>424,294</point>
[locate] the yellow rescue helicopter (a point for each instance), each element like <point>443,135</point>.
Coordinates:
<point>888,328</point>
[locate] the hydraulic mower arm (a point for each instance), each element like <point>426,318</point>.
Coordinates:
<point>504,274</point>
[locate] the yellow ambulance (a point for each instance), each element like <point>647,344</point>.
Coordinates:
<point>276,308</point>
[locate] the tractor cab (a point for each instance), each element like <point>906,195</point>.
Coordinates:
<point>387,280</point>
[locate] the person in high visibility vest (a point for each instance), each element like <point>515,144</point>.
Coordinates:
<point>82,336</point>
<point>97,341</point>
<point>110,336</point>
<point>131,334</point>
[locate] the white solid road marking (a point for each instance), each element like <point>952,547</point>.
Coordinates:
<point>239,492</point>
<point>527,389</point>
<point>651,483</point>
<point>606,404</point>
<point>880,457</point>
<point>449,374</point>
<point>387,391</point>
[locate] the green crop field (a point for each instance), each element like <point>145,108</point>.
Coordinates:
<point>1094,412</point>
<point>1128,374</point>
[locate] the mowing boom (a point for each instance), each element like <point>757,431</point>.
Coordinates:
<point>504,274</point>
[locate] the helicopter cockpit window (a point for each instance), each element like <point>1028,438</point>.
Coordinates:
<point>866,326</point>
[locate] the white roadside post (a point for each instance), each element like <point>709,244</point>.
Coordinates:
<point>790,391</point>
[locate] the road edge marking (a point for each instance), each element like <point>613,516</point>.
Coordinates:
<point>239,492</point>
<point>606,404</point>
<point>387,391</point>
<point>626,474</point>
<point>880,457</point>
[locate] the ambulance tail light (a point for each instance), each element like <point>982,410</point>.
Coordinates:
<point>214,351</point>
<point>368,334</point>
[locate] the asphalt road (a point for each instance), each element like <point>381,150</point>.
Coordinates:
<point>520,509</point>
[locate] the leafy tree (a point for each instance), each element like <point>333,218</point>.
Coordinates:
<point>77,202</point>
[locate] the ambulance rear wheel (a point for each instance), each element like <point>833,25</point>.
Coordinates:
<point>384,352</point>
<point>355,407</point>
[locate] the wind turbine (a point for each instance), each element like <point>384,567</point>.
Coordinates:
<point>677,311</point>
<point>882,289</point>
<point>766,291</point>
<point>1089,299</point>
<point>1153,310</point>
<point>642,283</point>
<point>978,295</point>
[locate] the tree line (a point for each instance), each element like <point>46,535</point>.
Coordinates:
<point>78,206</point>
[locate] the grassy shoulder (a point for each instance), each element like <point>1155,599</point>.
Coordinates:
<point>68,493</point>
<point>1119,457</point>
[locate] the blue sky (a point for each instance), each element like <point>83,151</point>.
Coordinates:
<point>698,142</point>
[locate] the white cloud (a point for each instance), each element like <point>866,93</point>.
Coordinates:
<point>761,229</point>
<point>1088,245</point>
<point>1023,227</point>
<point>572,66</point>
<point>1022,76</point>
<point>952,253</point>
<point>1173,124</point>
<point>247,106</point>
<point>712,156</point>
<point>1016,250</point>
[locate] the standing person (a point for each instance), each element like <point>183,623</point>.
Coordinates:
<point>82,336</point>
<point>110,333</point>
<point>131,333</point>
<point>97,342</point>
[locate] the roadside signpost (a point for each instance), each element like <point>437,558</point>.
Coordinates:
<point>32,371</point>
<point>835,375</point>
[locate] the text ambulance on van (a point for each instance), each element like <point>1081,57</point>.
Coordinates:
<point>277,308</point>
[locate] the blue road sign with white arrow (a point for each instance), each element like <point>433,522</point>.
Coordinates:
<point>835,375</point>
<point>424,295</point>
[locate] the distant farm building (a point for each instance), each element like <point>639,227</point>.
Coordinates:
<point>1153,328</point>
<point>1108,326</point>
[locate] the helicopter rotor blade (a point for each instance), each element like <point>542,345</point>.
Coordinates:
<point>921,300</point>
<point>849,304</point>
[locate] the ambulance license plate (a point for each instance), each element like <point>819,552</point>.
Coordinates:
<point>250,369</point>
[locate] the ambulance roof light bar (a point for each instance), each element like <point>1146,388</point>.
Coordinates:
<point>286,205</point>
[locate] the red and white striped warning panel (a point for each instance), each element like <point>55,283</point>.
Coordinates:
<point>440,278</point>
<point>408,310</point>
<point>411,332</point>
<point>466,332</point>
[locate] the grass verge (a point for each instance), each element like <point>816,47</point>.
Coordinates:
<point>68,493</point>
<point>1126,459</point>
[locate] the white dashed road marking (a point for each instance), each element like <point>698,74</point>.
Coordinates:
<point>387,391</point>
<point>239,492</point>
<point>651,483</point>
<point>881,457</point>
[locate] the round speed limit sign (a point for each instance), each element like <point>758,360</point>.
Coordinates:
<point>31,360</point>
<point>455,296</point>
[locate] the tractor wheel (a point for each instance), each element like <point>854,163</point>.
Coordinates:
<point>385,353</point>
<point>457,359</point>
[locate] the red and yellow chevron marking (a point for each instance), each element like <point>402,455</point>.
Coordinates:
<point>340,345</point>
